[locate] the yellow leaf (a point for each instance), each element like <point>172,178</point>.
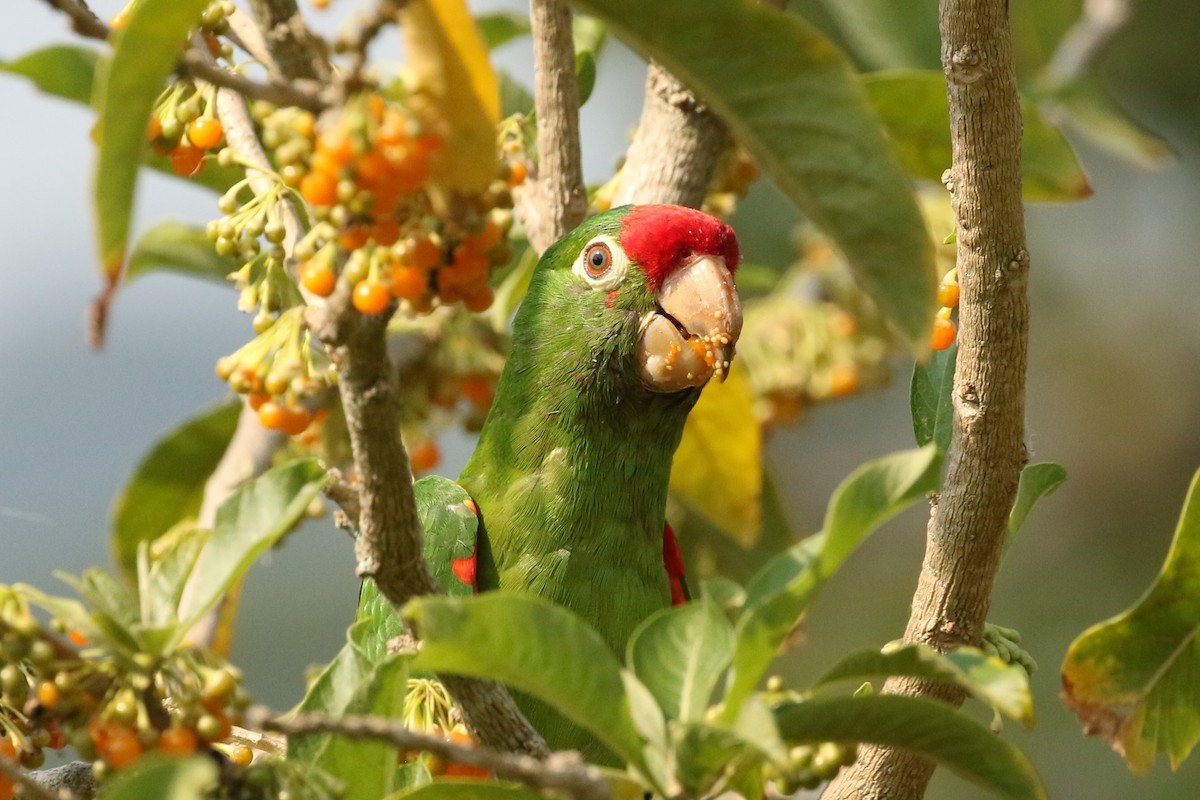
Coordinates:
<point>456,87</point>
<point>717,471</point>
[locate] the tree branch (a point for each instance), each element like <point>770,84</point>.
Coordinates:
<point>297,50</point>
<point>987,452</point>
<point>355,41</point>
<point>556,201</point>
<point>31,788</point>
<point>562,772</point>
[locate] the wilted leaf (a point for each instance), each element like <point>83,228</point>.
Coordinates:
<point>792,100</point>
<point>168,779</point>
<point>1132,679</point>
<point>145,54</point>
<point>176,247</point>
<point>781,590</point>
<point>1003,686</point>
<point>679,653</point>
<point>913,106</point>
<point>168,485</point>
<point>248,523</point>
<point>930,398</point>
<point>458,89</point>
<point>922,726</point>
<point>61,70</point>
<point>1037,481</point>
<point>717,471</point>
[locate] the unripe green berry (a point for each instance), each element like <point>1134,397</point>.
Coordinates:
<point>275,232</point>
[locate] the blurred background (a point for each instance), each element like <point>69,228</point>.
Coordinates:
<point>1114,388</point>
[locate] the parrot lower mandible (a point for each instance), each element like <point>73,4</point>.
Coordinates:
<point>626,319</point>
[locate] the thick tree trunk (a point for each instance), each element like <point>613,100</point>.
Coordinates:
<point>987,451</point>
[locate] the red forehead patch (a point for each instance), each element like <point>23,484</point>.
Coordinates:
<point>662,237</point>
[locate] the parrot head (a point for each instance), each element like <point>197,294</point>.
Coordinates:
<point>652,288</point>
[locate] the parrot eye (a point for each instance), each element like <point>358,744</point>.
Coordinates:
<point>597,258</point>
<point>601,264</point>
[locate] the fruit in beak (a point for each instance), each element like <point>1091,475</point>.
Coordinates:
<point>690,336</point>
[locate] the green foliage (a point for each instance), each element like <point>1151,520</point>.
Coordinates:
<point>794,103</point>
<point>782,590</point>
<point>179,248</point>
<point>680,654</point>
<point>501,27</point>
<point>930,398</point>
<point>168,484</point>
<point>168,779</point>
<point>1037,481</point>
<point>953,739</point>
<point>468,790</point>
<point>60,70</point>
<point>144,55</point>
<point>1132,679</point>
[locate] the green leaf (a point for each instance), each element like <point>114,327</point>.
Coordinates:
<point>146,51</point>
<point>913,106</point>
<point>782,590</point>
<point>162,588</point>
<point>247,524</point>
<point>707,754</point>
<point>164,779</point>
<point>794,102</point>
<point>176,247</point>
<point>168,485</point>
<point>501,27</point>
<point>930,398</point>
<point>585,75</point>
<point>922,726</point>
<point>61,70</point>
<point>1091,113</point>
<point>590,37</point>
<point>1132,679</point>
<point>679,653</point>
<point>465,789</point>
<point>1037,481</point>
<point>1005,687</point>
<point>886,34</point>
<point>514,97</point>
<point>536,647</point>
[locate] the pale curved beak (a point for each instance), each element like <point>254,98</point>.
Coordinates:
<point>690,336</point>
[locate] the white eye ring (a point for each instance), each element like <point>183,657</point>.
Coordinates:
<point>601,263</point>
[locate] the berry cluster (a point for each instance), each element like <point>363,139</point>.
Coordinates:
<point>428,708</point>
<point>944,329</point>
<point>55,691</point>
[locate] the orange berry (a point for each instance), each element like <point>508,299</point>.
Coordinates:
<point>371,297</point>
<point>426,143</point>
<point>47,694</point>
<point>8,790</point>
<point>121,748</point>
<point>256,399</point>
<point>318,279</point>
<point>337,145</point>
<point>454,770</point>
<point>485,240</point>
<point>178,741</point>
<point>153,128</point>
<point>205,132</point>
<point>518,172</point>
<point>479,391</point>
<point>58,739</point>
<point>240,754</point>
<point>948,295</point>
<point>373,169</point>
<point>352,237</point>
<point>7,749</point>
<point>424,456</point>
<point>294,421</point>
<point>323,162</point>
<point>943,334</point>
<point>479,298</point>
<point>425,254</point>
<point>271,415</point>
<point>214,727</point>
<point>393,133</point>
<point>187,161</point>
<point>470,260</point>
<point>214,45</point>
<point>77,638</point>
<point>409,283</point>
<point>384,231</point>
<point>375,107</point>
<point>844,380</point>
<point>319,188</point>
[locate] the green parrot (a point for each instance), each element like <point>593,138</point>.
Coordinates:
<point>626,319</point>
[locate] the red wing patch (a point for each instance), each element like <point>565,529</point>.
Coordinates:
<point>673,561</point>
<point>464,568</point>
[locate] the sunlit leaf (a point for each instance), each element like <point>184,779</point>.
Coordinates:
<point>679,654</point>
<point>254,518</point>
<point>501,27</point>
<point>717,471</point>
<point>168,485</point>
<point>166,779</point>
<point>913,106</point>
<point>64,71</point>
<point>782,590</point>
<point>536,647</point>
<point>930,398</point>
<point>1037,481</point>
<point>708,754</point>
<point>928,727</point>
<point>1003,686</point>
<point>145,54</point>
<point>458,89</point>
<point>1132,679</point>
<point>792,100</point>
<point>180,248</point>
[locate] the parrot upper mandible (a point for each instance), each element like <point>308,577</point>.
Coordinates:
<point>626,319</point>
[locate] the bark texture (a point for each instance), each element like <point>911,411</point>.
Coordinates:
<point>968,521</point>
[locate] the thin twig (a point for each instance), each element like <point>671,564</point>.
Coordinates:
<point>563,772</point>
<point>299,52</point>
<point>355,42</point>
<point>83,21</point>
<point>30,788</point>
<point>559,199</point>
